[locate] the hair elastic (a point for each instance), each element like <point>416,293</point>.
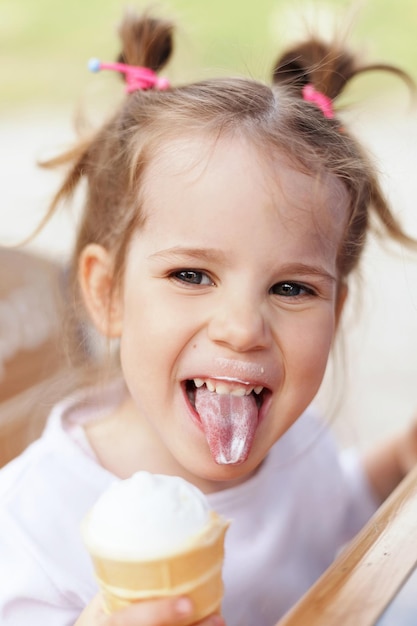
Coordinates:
<point>310,94</point>
<point>137,78</point>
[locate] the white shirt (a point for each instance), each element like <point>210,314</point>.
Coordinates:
<point>288,520</point>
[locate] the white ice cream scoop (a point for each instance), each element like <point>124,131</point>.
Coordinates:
<point>146,516</point>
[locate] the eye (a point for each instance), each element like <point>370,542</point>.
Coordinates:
<point>192,277</point>
<point>290,290</point>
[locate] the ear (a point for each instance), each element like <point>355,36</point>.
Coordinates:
<point>103,302</point>
<point>342,294</point>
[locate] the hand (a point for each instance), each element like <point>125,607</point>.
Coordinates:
<point>164,612</point>
<point>390,461</point>
<point>407,448</point>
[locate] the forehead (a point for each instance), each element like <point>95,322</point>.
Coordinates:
<point>201,167</point>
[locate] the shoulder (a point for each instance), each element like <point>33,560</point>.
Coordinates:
<point>44,495</point>
<point>51,476</point>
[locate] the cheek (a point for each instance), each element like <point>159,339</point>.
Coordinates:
<point>309,346</point>
<point>151,336</point>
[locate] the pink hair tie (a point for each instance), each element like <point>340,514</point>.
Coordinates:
<point>141,78</point>
<point>310,94</point>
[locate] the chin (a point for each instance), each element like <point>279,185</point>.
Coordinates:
<point>211,476</point>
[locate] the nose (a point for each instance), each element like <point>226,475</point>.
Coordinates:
<point>240,325</point>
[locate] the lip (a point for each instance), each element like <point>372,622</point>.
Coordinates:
<point>233,371</point>
<point>247,372</point>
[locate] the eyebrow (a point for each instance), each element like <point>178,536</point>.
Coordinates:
<point>199,254</point>
<point>305,268</point>
<point>212,254</point>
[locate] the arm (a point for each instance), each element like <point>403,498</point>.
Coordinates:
<point>390,461</point>
<point>164,612</point>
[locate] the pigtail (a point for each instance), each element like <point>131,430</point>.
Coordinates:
<point>314,62</point>
<point>327,66</point>
<point>146,41</point>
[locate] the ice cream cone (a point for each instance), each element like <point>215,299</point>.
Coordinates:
<point>196,571</point>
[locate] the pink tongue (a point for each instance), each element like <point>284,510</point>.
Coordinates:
<point>229,423</point>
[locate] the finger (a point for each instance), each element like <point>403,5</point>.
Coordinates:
<point>93,613</point>
<point>162,612</point>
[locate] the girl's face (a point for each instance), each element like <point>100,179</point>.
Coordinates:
<point>229,304</point>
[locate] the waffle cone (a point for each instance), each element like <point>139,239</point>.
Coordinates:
<point>195,572</point>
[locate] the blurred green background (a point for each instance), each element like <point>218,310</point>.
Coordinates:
<point>45,44</point>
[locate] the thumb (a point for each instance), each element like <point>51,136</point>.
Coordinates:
<point>93,614</point>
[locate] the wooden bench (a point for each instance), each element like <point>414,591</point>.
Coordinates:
<point>23,417</point>
<point>32,346</point>
<point>371,571</point>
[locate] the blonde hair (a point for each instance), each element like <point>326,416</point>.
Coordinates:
<point>273,117</point>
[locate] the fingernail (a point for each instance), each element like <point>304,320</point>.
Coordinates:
<point>183,606</point>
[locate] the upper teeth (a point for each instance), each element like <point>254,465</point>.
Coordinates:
<point>224,388</point>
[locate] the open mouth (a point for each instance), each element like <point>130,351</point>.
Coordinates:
<point>222,387</point>
<point>229,413</point>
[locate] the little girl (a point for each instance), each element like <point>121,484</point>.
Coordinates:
<point>222,222</point>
